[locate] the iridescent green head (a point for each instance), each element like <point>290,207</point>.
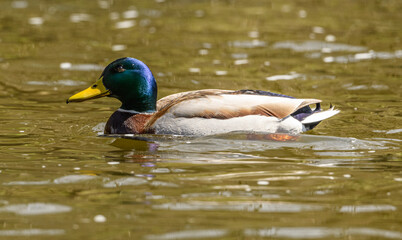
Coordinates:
<point>127,79</point>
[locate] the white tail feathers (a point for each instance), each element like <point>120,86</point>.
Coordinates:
<point>319,116</point>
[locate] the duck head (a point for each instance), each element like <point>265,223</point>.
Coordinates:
<point>127,79</point>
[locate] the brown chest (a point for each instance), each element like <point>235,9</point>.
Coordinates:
<point>123,123</point>
<point>136,123</point>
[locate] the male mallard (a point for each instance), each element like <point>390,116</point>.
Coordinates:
<point>201,112</point>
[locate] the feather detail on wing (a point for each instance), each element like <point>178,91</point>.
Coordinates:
<point>224,104</point>
<point>178,97</point>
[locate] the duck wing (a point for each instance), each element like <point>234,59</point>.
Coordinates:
<point>177,97</point>
<point>225,104</point>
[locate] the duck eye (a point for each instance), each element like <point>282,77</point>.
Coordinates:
<point>120,69</point>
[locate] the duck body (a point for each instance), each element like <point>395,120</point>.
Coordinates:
<point>202,112</point>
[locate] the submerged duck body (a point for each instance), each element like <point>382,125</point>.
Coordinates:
<point>202,112</point>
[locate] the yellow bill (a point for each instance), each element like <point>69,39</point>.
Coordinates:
<point>97,90</point>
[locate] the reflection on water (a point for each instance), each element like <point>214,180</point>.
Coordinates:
<point>350,86</point>
<point>248,143</point>
<point>19,4</point>
<point>247,44</point>
<point>36,21</point>
<point>367,208</point>
<point>320,49</point>
<point>73,179</point>
<point>308,46</point>
<point>317,232</point>
<point>80,67</point>
<point>240,206</point>
<point>58,82</point>
<point>190,234</point>
<point>35,208</point>
<point>361,56</point>
<point>291,76</point>
<point>282,232</point>
<point>32,232</point>
<point>128,181</point>
<point>59,179</point>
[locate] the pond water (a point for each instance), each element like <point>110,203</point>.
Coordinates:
<point>61,179</point>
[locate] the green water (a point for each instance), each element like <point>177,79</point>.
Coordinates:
<point>60,180</point>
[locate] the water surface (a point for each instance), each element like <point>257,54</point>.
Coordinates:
<point>61,180</point>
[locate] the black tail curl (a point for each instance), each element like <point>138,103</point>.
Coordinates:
<point>306,111</point>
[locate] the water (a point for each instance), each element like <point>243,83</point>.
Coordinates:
<point>60,179</point>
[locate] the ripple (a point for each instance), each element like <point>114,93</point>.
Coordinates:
<point>80,67</point>
<point>367,208</point>
<point>114,15</point>
<point>301,232</point>
<point>130,14</point>
<point>61,180</point>
<point>207,194</point>
<point>163,184</point>
<point>254,206</point>
<point>309,46</point>
<point>99,128</point>
<point>190,234</point>
<point>100,218</point>
<point>302,14</point>
<point>194,70</point>
<point>203,52</point>
<point>338,154</point>
<point>19,4</point>
<point>319,232</point>
<point>32,232</point>
<point>160,170</point>
<point>253,34</point>
<point>73,179</point>
<point>104,4</point>
<point>240,62</point>
<point>330,38</point>
<point>364,56</point>
<point>291,76</point>
<point>241,143</point>
<point>393,131</point>
<point>125,24</point>
<point>247,44</point>
<point>221,73</point>
<point>239,55</point>
<point>27,182</point>
<point>152,13</point>
<point>127,181</point>
<point>36,21</point>
<point>318,30</point>
<point>80,17</point>
<point>64,82</point>
<point>35,208</point>
<point>350,86</point>
<point>119,47</point>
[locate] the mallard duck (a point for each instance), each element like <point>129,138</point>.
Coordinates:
<point>202,112</point>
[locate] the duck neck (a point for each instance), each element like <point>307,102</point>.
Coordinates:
<point>141,97</point>
<point>146,105</point>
